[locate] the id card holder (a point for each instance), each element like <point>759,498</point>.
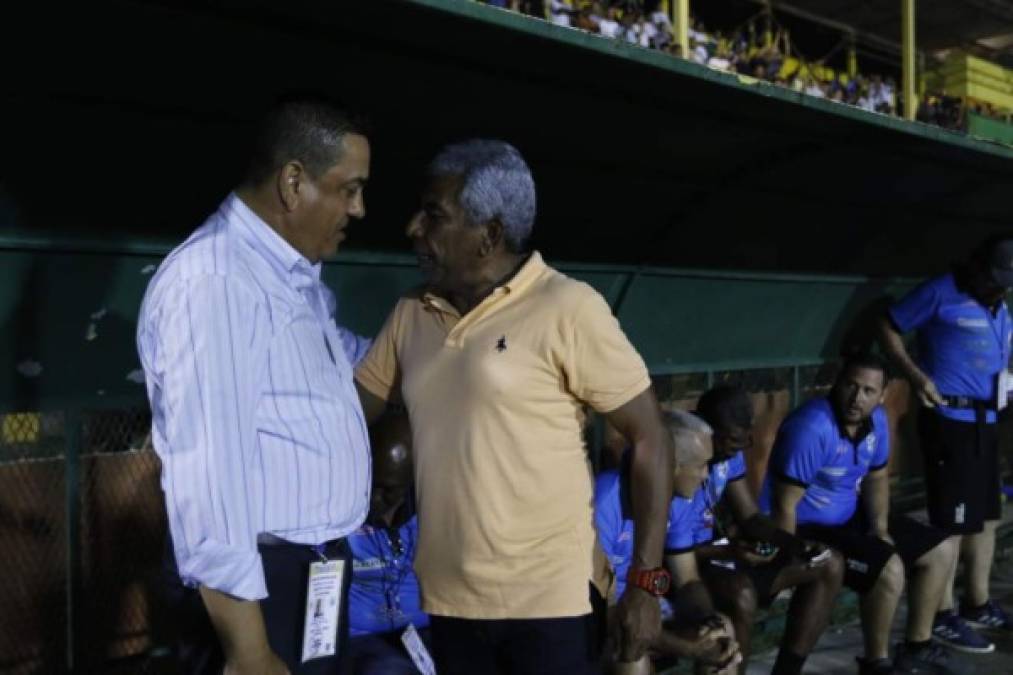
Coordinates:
<point>323,609</point>
<point>1002,389</point>
<point>417,650</point>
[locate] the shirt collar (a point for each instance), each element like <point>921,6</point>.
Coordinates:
<point>530,270</point>
<point>288,262</point>
<point>863,431</point>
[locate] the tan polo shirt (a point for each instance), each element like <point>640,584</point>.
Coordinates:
<point>503,481</point>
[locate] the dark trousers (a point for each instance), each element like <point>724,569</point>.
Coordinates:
<point>383,654</point>
<point>563,646</point>
<point>286,572</point>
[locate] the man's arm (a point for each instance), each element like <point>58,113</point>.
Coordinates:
<point>689,587</point>
<point>756,526</point>
<point>209,431</point>
<point>639,421</point>
<point>893,344</point>
<point>876,501</point>
<point>372,405</point>
<point>786,498</point>
<point>240,628</point>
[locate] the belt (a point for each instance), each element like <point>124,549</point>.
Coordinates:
<point>268,539</point>
<point>968,403</point>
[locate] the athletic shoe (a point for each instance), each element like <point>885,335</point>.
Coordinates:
<point>875,666</point>
<point>988,616</point>
<point>954,632</point>
<point>928,660</point>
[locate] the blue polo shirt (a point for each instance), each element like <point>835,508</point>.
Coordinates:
<point>707,497</point>
<point>962,346</point>
<point>812,451</point>
<point>384,594</point>
<point>613,517</point>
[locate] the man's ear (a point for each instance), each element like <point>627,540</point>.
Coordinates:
<point>492,237</point>
<point>290,184</point>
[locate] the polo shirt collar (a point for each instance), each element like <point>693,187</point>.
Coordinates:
<point>864,430</point>
<point>529,270</point>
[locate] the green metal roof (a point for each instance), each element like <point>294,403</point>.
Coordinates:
<point>639,158</point>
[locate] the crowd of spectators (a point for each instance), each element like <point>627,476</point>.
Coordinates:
<point>763,53</point>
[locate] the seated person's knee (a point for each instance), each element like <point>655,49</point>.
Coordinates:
<point>891,578</point>
<point>833,569</point>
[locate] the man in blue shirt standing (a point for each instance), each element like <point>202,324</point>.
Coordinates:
<point>830,453</point>
<point>384,595</point>
<point>739,578</point>
<point>963,333</point>
<point>696,631</point>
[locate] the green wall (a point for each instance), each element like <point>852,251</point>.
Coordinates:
<point>73,312</point>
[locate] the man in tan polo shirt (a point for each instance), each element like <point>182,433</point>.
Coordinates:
<point>494,359</point>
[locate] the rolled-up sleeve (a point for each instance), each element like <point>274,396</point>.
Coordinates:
<point>204,352</point>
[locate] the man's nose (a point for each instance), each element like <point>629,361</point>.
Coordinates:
<point>358,208</point>
<point>414,228</point>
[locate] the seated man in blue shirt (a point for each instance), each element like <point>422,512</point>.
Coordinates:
<point>963,333</point>
<point>829,453</point>
<point>384,594</point>
<point>696,632</point>
<point>738,578</point>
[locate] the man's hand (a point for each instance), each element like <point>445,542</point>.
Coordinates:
<point>927,393</point>
<point>638,617</point>
<point>263,663</point>
<point>746,554</point>
<point>813,550</point>
<point>885,536</point>
<point>714,644</point>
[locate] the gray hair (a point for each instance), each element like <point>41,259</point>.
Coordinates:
<point>497,184</point>
<point>684,428</point>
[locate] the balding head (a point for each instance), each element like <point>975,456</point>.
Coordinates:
<point>391,440</point>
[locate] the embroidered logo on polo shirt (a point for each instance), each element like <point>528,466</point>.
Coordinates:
<point>501,344</point>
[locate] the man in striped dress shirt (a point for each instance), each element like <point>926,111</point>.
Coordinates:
<point>264,449</point>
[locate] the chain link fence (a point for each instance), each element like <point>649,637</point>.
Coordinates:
<point>33,529</point>
<point>83,531</point>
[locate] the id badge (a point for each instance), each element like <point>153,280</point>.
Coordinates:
<point>417,650</point>
<point>323,607</point>
<point>1003,388</point>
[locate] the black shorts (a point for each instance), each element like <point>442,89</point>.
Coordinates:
<point>762,576</point>
<point>866,555</point>
<point>962,482</point>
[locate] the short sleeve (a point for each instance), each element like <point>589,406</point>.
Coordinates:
<point>379,370</point>
<point>602,367</point>
<point>681,527</point>
<point>881,432</point>
<point>737,466</point>
<point>917,307</point>
<point>798,452</point>
<point>608,513</point>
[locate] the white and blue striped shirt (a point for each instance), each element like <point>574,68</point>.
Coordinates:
<point>254,415</point>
